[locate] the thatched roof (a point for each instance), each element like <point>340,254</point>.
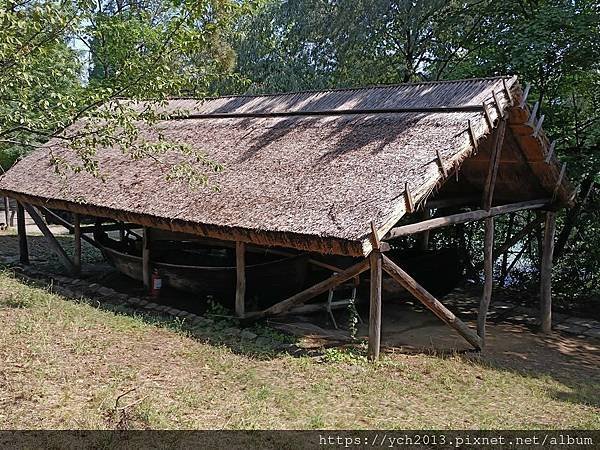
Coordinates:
<point>304,170</point>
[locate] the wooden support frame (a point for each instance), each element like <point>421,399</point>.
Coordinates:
<point>511,102</point>
<point>69,226</point>
<point>375,260</point>
<point>146,258</point>
<point>490,182</point>
<point>538,126</point>
<point>546,273</point>
<point>464,217</point>
<point>313,291</point>
<point>440,162</point>
<point>561,175</point>
<point>410,203</point>
<point>472,134</point>
<point>533,114</point>
<point>77,242</point>
<point>488,248</point>
<point>6,211</point>
<point>525,95</point>
<point>488,118</point>
<point>240,285</point>
<point>52,242</point>
<point>498,107</point>
<point>550,153</point>
<point>433,304</point>
<point>22,231</point>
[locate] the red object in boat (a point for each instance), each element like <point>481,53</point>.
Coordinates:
<point>155,284</point>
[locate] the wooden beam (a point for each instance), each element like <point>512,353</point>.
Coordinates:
<point>561,175</point>
<point>240,286</point>
<point>146,265</point>
<point>525,95</point>
<point>488,118</point>
<point>440,162</point>
<point>488,248</point>
<point>453,219</point>
<point>69,226</point>
<point>6,212</point>
<point>433,304</point>
<point>375,242</point>
<point>52,242</point>
<point>472,134</point>
<point>375,306</point>
<point>490,182</point>
<point>533,114</point>
<point>313,291</point>
<point>498,107</point>
<point>410,203</point>
<point>22,231</point>
<point>511,102</point>
<point>77,242</point>
<point>550,152</point>
<point>538,126</point>
<point>546,273</point>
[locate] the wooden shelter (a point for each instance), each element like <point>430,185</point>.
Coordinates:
<point>328,172</point>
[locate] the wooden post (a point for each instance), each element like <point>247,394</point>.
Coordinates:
<point>421,294</point>
<point>375,306</point>
<point>240,287</point>
<point>77,242</point>
<point>546,273</point>
<point>6,212</point>
<point>22,231</point>
<point>488,250</point>
<point>146,267</point>
<point>424,236</point>
<point>50,239</point>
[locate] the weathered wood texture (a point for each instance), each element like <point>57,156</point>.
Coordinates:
<point>488,247</point>
<point>22,231</point>
<point>439,222</point>
<point>77,242</point>
<point>490,183</point>
<point>6,211</point>
<point>546,273</point>
<point>240,286</point>
<point>313,291</point>
<point>375,306</point>
<point>50,239</point>
<point>421,294</point>
<point>146,255</point>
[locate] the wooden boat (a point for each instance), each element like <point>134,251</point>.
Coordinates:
<point>211,271</point>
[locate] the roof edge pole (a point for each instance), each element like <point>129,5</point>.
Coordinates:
<point>146,263</point>
<point>240,285</point>
<point>77,242</point>
<point>375,259</point>
<point>546,273</point>
<point>488,248</point>
<point>22,232</point>
<point>453,219</point>
<point>433,304</point>
<point>490,183</point>
<point>50,238</point>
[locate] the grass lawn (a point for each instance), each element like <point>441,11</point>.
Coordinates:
<point>67,364</point>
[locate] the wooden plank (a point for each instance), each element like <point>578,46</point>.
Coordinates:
<point>313,291</point>
<point>484,305</point>
<point>77,242</point>
<point>453,219</point>
<point>69,226</point>
<point>546,273</point>
<point>22,231</point>
<point>490,183</point>
<point>525,95</point>
<point>538,126</point>
<point>146,264</point>
<point>375,306</point>
<point>240,286</point>
<point>550,152</point>
<point>50,239</point>
<point>433,304</point>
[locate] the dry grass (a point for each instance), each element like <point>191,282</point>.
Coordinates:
<point>70,365</point>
